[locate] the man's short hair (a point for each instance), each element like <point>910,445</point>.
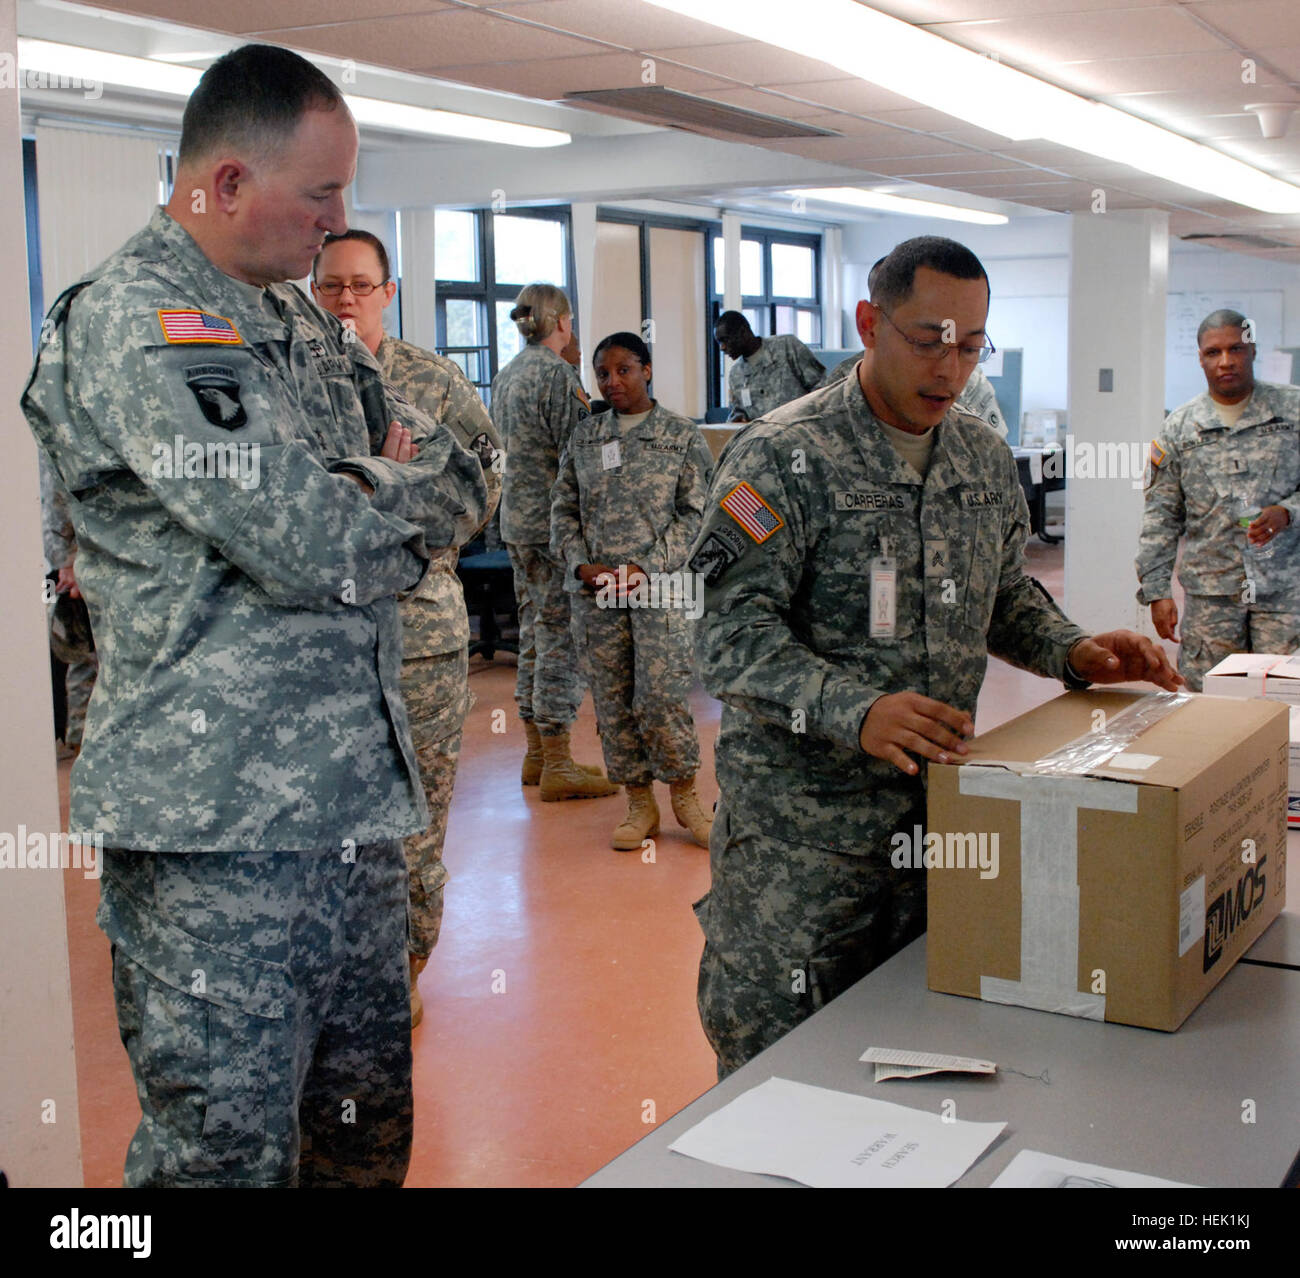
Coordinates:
<point>251,100</point>
<point>732,324</point>
<point>365,237</point>
<point>1222,318</point>
<point>873,276</point>
<point>896,275</point>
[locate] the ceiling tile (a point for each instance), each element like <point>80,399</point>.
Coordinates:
<point>751,62</point>
<point>631,24</point>
<point>1217,72</point>
<point>554,78</point>
<point>246,17</point>
<point>1030,40</point>
<point>1258,24</point>
<point>425,43</point>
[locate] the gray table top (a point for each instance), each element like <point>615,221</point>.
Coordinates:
<point>1141,1100</point>
<point>1280,944</point>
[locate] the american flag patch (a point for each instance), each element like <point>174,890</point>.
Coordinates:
<point>198,326</point>
<point>751,512</point>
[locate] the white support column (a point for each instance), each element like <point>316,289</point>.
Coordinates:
<point>731,261</point>
<point>832,288</point>
<point>1119,266</point>
<point>731,271</point>
<point>40,1133</point>
<point>419,273</point>
<point>582,218</point>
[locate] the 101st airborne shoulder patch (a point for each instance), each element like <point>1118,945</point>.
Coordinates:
<point>751,512</point>
<point>182,327</point>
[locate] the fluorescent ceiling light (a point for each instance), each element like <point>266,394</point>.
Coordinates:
<point>859,198</point>
<point>64,63</point>
<point>380,114</point>
<point>69,62</point>
<point>972,88</point>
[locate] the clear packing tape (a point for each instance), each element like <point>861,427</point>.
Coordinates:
<point>1095,749</point>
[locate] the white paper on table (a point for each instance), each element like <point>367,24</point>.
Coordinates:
<point>1032,1169</point>
<point>893,1062</point>
<point>834,1140</point>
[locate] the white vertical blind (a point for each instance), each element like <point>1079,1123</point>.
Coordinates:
<point>95,191</point>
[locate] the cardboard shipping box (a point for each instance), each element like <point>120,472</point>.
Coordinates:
<point>1276,678</point>
<point>1108,855</point>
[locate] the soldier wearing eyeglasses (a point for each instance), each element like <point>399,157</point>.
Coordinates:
<point>862,554</point>
<point>1224,474</point>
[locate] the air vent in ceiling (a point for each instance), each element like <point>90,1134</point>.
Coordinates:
<point>657,105</point>
<point>1236,240</point>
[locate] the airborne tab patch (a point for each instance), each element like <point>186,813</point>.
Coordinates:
<point>216,391</point>
<point>751,512</point>
<point>198,326</point>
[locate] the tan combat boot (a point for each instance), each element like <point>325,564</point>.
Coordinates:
<point>562,778</point>
<point>417,1003</point>
<point>641,822</point>
<point>532,769</point>
<point>690,815</point>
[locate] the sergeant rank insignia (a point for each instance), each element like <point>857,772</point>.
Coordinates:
<point>198,326</point>
<point>751,512</point>
<point>216,390</point>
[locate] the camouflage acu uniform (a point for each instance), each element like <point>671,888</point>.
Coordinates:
<point>980,400</point>
<point>70,637</point>
<point>804,899</point>
<point>782,369</point>
<point>1202,475</point>
<point>536,403</point>
<point>841,370</point>
<point>248,708</point>
<point>646,511</point>
<point>435,631</point>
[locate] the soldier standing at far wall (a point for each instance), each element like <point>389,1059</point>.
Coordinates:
<point>351,280</point>
<point>768,372</point>
<point>537,401</point>
<point>1225,473</point>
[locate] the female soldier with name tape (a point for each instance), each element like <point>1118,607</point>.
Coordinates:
<point>627,504</point>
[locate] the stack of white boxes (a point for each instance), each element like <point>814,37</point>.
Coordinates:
<point>1276,678</point>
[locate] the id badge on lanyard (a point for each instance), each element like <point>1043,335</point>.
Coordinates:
<point>884,593</point>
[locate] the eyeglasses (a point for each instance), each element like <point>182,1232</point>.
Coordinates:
<point>936,350</point>
<point>358,288</point>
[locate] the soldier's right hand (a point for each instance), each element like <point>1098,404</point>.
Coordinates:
<point>1164,616</point>
<point>397,444</point>
<point>907,721</point>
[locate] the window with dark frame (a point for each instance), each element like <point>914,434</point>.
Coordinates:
<point>482,259</point>
<point>780,289</point>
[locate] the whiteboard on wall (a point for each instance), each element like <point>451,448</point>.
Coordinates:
<point>1184,313</point>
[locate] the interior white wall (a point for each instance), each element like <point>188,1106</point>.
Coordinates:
<point>1028,261</point>
<point>40,1136</point>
